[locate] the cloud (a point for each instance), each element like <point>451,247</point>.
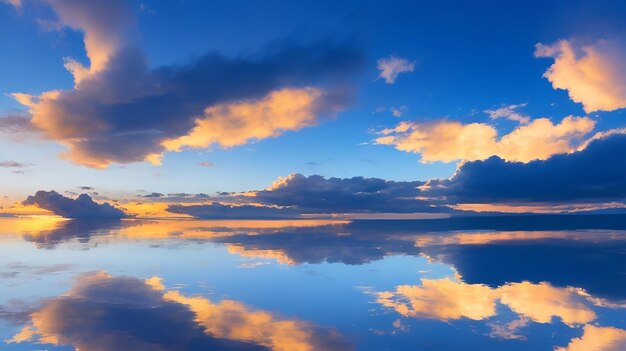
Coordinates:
<point>445,299</point>
<point>593,74</point>
<point>398,111</point>
<point>15,124</point>
<point>121,110</point>
<point>316,194</point>
<point>441,299</point>
<point>297,195</point>
<point>390,67</point>
<point>206,164</point>
<point>82,207</point>
<point>509,112</point>
<point>234,124</point>
<point>12,164</point>
<point>449,141</point>
<point>105,313</point>
<point>594,174</point>
<point>598,339</point>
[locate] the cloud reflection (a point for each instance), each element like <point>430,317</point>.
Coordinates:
<point>103,313</point>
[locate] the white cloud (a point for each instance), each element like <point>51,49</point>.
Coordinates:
<point>390,67</point>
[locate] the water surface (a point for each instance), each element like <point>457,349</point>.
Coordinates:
<point>503,283</point>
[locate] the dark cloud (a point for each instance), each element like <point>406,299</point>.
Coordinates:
<point>82,207</point>
<point>122,110</point>
<point>316,194</point>
<point>297,195</point>
<point>15,124</point>
<point>595,174</point>
<point>80,230</point>
<point>153,195</point>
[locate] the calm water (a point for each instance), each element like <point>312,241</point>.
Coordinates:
<point>525,283</point>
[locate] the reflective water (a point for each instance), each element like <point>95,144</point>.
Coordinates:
<point>503,283</point>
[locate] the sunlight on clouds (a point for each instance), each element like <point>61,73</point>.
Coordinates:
<point>540,302</point>
<point>445,299</point>
<point>441,299</point>
<point>233,124</point>
<point>534,208</point>
<point>598,339</point>
<point>593,74</point>
<point>278,255</point>
<point>233,320</point>
<point>449,141</point>
<point>493,237</point>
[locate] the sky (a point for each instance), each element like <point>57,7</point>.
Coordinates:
<point>228,109</point>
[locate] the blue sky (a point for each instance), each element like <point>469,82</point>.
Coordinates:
<point>467,58</point>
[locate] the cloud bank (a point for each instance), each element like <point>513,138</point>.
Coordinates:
<point>122,110</point>
<point>83,207</point>
<point>595,174</point>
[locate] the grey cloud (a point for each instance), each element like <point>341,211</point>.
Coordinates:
<point>594,174</point>
<point>82,207</point>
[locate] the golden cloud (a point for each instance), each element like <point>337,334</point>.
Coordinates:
<point>594,75</point>
<point>449,141</point>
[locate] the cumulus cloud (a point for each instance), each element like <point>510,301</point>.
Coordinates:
<point>390,67</point>
<point>594,174</point>
<point>449,141</point>
<point>598,339</point>
<point>121,110</point>
<point>593,74</point>
<point>105,313</point>
<point>83,207</point>
<point>316,194</point>
<point>509,112</point>
<point>297,195</point>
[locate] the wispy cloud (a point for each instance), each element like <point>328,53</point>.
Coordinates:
<point>509,112</point>
<point>391,67</point>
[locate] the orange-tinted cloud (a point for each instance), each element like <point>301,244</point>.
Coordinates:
<point>449,141</point>
<point>234,124</point>
<point>446,299</point>
<point>122,110</point>
<point>593,74</point>
<point>598,339</point>
<point>441,299</point>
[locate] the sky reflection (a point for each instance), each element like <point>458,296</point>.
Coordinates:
<point>309,285</point>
